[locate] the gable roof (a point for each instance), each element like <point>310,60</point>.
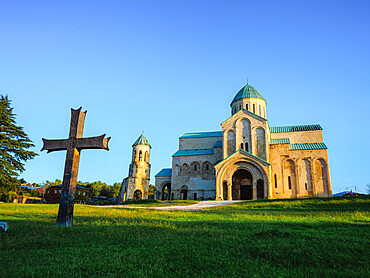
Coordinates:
<point>202,134</point>
<point>165,172</point>
<point>294,128</point>
<point>247,111</point>
<point>307,146</point>
<point>279,141</point>
<point>245,152</point>
<point>193,152</point>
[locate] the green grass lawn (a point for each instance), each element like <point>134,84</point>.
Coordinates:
<point>283,238</point>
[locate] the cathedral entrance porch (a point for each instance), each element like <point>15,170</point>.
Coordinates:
<point>166,192</point>
<point>184,192</point>
<point>242,185</point>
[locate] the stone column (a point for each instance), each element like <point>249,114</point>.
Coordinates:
<point>313,182</point>
<point>267,189</point>
<point>254,189</point>
<point>219,191</point>
<point>297,188</point>
<point>224,145</point>
<point>229,191</point>
<point>328,180</point>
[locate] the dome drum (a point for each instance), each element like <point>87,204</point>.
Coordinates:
<point>249,99</point>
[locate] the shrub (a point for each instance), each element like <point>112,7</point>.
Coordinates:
<point>34,193</point>
<point>8,197</point>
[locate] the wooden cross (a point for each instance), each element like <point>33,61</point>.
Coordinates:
<point>74,144</point>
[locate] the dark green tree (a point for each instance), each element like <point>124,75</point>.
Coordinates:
<point>116,187</point>
<point>151,191</point>
<point>14,143</point>
<point>107,191</point>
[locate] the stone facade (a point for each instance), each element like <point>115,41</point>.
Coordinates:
<point>136,185</point>
<point>248,159</point>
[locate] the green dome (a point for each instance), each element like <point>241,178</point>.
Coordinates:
<point>246,92</point>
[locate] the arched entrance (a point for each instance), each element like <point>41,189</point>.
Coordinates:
<point>166,192</point>
<point>184,192</point>
<point>242,185</point>
<point>138,195</point>
<point>260,189</point>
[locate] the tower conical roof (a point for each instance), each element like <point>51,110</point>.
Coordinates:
<point>141,141</point>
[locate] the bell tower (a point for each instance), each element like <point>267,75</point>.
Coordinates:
<point>136,185</point>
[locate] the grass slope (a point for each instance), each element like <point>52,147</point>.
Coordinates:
<point>283,238</point>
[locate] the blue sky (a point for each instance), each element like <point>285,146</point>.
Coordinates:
<point>170,67</point>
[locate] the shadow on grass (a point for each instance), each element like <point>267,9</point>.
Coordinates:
<point>183,248</point>
<point>217,242</point>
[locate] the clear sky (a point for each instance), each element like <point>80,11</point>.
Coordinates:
<point>170,67</point>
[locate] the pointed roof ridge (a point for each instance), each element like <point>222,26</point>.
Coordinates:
<point>141,141</point>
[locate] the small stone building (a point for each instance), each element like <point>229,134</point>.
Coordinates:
<point>53,193</point>
<point>248,159</point>
<point>136,185</point>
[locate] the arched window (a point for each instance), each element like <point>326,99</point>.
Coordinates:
<point>289,183</point>
<point>134,156</point>
<point>240,107</point>
<point>231,144</point>
<point>185,169</point>
<point>305,185</point>
<point>275,181</point>
<point>246,106</point>
<point>241,146</point>
<point>261,143</point>
<point>146,157</point>
<point>264,112</point>
<point>140,156</point>
<point>254,108</point>
<point>195,167</point>
<point>260,110</point>
<point>246,146</point>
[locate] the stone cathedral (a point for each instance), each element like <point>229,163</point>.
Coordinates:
<point>248,159</point>
<point>136,185</point>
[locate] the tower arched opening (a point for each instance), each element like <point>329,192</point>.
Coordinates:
<point>138,195</point>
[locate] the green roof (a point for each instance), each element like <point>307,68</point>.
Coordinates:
<point>165,172</point>
<point>246,92</point>
<point>279,141</point>
<point>218,144</point>
<point>202,134</point>
<point>141,141</point>
<point>193,152</point>
<point>307,146</point>
<point>294,128</point>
